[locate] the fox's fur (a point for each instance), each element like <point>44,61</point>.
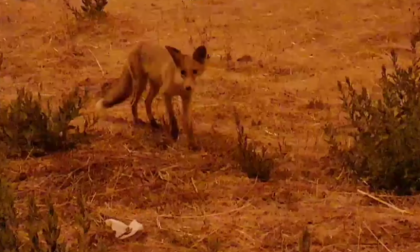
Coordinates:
<point>168,71</point>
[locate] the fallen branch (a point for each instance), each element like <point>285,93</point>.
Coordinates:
<point>384,202</point>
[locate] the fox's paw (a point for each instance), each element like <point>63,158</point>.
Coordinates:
<point>155,125</point>
<point>193,147</point>
<point>175,133</point>
<point>139,122</point>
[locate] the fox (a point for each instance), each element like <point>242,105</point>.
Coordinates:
<point>168,72</point>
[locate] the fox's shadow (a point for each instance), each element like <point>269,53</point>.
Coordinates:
<point>212,142</point>
<point>117,120</point>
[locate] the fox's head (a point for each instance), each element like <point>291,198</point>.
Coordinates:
<point>189,67</point>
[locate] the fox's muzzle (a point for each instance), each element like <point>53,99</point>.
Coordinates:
<point>188,88</point>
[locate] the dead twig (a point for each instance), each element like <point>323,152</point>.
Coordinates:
<point>158,223</point>
<point>206,215</point>
<point>195,187</point>
<point>97,62</point>
<point>384,202</point>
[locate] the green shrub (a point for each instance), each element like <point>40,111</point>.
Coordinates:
<point>27,129</point>
<point>383,144</point>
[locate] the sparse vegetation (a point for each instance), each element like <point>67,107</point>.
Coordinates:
<point>255,163</point>
<point>89,9</point>
<point>29,129</point>
<point>383,145</point>
<point>11,239</point>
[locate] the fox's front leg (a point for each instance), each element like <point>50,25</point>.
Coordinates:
<point>172,119</point>
<point>186,121</point>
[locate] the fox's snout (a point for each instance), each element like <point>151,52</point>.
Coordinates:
<point>188,88</point>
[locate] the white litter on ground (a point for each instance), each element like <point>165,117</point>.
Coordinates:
<point>122,231</point>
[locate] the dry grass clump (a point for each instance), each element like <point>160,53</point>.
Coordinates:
<point>382,146</point>
<point>29,129</point>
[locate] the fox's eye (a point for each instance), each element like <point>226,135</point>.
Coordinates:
<point>194,72</point>
<point>183,72</point>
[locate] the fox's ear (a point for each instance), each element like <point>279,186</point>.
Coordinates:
<point>200,54</point>
<point>176,55</point>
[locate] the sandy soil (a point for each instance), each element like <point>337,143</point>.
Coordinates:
<point>199,201</point>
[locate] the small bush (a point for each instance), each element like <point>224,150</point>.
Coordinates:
<point>89,9</point>
<point>252,162</point>
<point>383,141</point>
<point>27,129</point>
<point>35,224</point>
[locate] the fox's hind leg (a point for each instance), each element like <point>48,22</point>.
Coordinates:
<point>139,85</point>
<point>139,80</point>
<point>154,90</point>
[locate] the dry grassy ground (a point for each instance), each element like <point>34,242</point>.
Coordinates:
<point>299,48</point>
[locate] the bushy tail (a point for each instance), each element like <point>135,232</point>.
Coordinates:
<point>117,93</point>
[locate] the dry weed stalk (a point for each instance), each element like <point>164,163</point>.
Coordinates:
<point>90,9</point>
<point>230,64</point>
<point>34,221</point>
<point>52,230</point>
<point>83,219</point>
<point>1,59</point>
<point>305,241</point>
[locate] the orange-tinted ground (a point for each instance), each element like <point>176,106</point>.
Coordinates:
<point>299,48</point>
